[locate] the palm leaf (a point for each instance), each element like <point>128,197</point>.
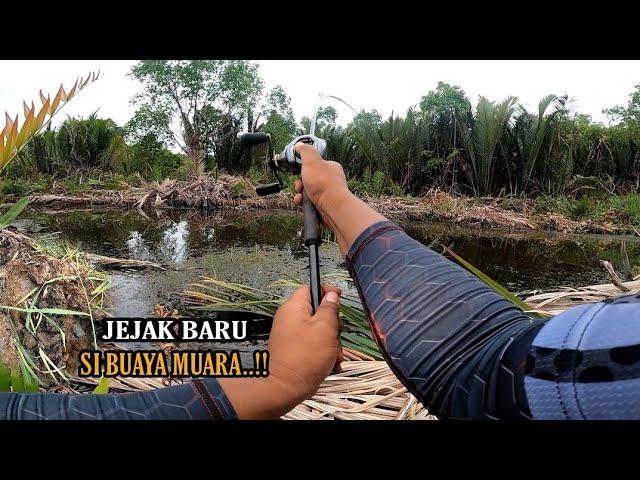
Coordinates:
<point>495,285</point>
<point>491,120</point>
<point>536,131</point>
<point>5,379</point>
<point>11,214</point>
<point>13,138</point>
<point>213,294</point>
<point>102,387</point>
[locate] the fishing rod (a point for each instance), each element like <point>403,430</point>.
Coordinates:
<point>290,161</point>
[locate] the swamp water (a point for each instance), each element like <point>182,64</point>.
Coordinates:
<point>259,247</point>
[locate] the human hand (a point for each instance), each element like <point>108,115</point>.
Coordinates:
<point>324,180</point>
<point>305,348</point>
<point>326,186</point>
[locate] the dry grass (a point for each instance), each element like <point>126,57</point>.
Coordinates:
<point>442,207</point>
<point>364,390</point>
<point>559,301</point>
<point>205,192</point>
<point>367,389</point>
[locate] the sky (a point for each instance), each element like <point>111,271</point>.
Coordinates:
<point>386,85</point>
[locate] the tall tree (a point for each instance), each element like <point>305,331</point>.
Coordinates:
<point>195,103</point>
<point>629,116</point>
<point>444,101</point>
<point>279,119</point>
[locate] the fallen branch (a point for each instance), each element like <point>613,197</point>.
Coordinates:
<point>626,265</point>
<point>102,260</point>
<point>111,262</point>
<point>615,279</point>
<point>5,232</point>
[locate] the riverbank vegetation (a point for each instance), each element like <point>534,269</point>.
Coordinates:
<point>612,214</point>
<point>44,289</point>
<point>550,159</point>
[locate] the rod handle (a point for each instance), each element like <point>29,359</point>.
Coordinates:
<point>311,221</point>
<point>314,277</point>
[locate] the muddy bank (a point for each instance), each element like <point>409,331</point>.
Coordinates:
<point>227,191</point>
<point>49,309</point>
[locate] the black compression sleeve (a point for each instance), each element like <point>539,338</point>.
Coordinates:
<point>443,331</point>
<point>201,399</point>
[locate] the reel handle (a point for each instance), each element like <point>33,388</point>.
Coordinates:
<point>268,189</point>
<point>253,138</point>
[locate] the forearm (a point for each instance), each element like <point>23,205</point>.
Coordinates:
<point>203,399</point>
<point>441,329</point>
<point>467,352</point>
<point>347,216</point>
<point>196,400</point>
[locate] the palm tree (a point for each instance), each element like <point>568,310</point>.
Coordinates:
<point>534,134</point>
<point>488,127</point>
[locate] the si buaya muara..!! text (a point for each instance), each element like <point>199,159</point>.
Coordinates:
<point>177,363</point>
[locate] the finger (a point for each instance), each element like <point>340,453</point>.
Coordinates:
<point>331,288</point>
<point>297,186</point>
<point>337,367</point>
<point>328,310</point>
<point>297,199</point>
<point>300,299</point>
<point>326,288</point>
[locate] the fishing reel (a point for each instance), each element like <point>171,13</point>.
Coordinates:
<point>290,161</point>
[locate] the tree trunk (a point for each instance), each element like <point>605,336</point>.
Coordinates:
<point>195,153</point>
<point>197,169</point>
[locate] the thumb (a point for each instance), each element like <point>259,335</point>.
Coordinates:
<point>328,310</point>
<point>308,153</point>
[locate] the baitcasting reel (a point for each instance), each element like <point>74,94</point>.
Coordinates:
<point>290,161</point>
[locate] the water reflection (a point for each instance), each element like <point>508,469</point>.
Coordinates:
<point>254,246</point>
<point>174,242</point>
<point>139,250</point>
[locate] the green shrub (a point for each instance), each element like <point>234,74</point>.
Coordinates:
<point>395,189</point>
<point>627,207</point>
<point>513,204</point>
<point>239,189</point>
<point>579,209</point>
<point>87,142</point>
<point>26,185</point>
<point>151,160</point>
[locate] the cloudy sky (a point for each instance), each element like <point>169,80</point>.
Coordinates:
<point>388,86</point>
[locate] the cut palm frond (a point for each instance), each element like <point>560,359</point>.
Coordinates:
<point>559,301</point>
<point>496,286</point>
<point>212,294</point>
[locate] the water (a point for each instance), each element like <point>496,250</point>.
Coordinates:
<point>259,247</point>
